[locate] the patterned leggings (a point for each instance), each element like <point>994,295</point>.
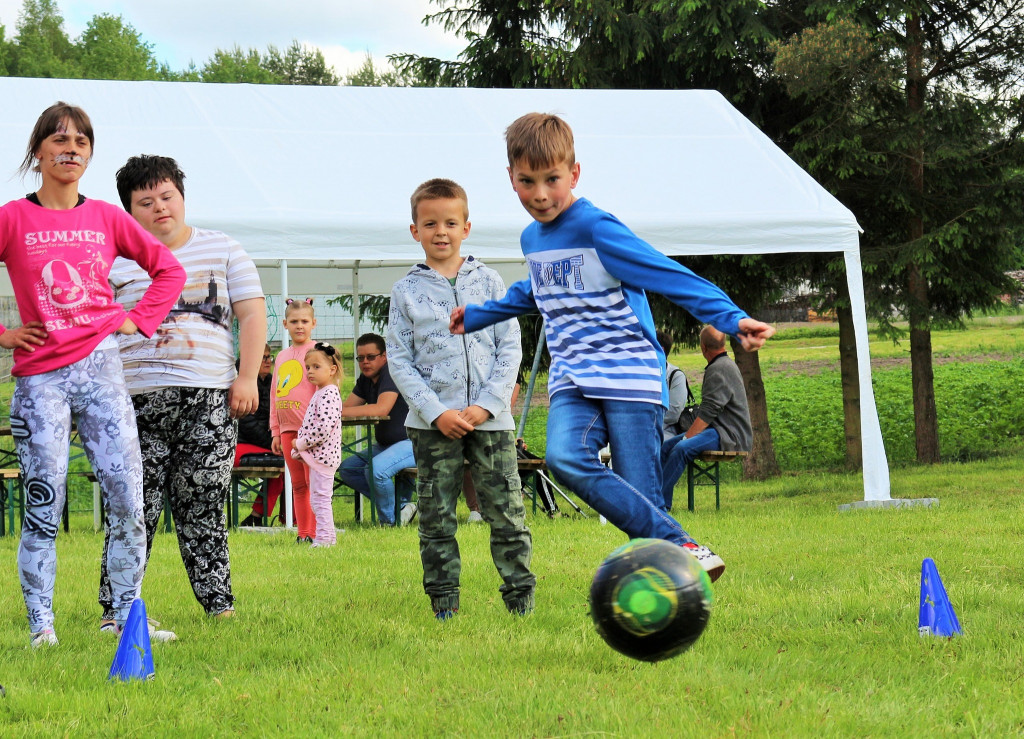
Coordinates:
<point>93,390</point>
<point>188,447</point>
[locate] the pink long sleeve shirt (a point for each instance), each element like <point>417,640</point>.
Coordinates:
<point>58,261</point>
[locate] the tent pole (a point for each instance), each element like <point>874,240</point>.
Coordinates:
<point>874,462</point>
<point>289,511</point>
<point>355,316</point>
<point>529,386</point>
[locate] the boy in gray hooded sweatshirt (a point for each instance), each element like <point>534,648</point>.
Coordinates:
<point>459,390</point>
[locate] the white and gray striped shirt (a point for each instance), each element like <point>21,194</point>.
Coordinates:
<point>194,344</point>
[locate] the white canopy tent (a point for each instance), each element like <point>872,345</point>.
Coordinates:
<point>320,177</point>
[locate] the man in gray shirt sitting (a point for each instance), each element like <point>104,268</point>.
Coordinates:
<point>723,419</point>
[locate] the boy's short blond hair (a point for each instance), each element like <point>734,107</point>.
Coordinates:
<point>541,140</point>
<point>439,189</point>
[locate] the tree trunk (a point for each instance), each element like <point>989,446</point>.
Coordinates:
<point>850,376</point>
<point>926,425</point>
<point>760,464</point>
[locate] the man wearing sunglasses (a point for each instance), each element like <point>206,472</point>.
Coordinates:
<point>375,394</point>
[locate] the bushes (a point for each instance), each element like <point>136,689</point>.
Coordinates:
<point>979,404</point>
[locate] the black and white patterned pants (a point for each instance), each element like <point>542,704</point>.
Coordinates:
<point>188,448</point>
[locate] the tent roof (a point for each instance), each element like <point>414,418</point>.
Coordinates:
<point>316,174</point>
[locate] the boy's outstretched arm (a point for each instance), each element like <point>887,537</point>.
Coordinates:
<point>475,316</point>
<point>754,333</point>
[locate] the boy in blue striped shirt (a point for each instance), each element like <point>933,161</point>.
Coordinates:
<point>588,274</point>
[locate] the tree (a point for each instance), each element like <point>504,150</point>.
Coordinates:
<point>509,44</point>
<point>42,48</point>
<point>913,128</point>
<point>300,66</point>
<point>237,65</point>
<point>370,75</point>
<point>110,49</point>
<point>296,66</point>
<point>6,53</point>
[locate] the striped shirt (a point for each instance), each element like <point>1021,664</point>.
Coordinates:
<point>194,344</point>
<point>588,277</point>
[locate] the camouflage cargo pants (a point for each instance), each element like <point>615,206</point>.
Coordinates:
<point>492,461</point>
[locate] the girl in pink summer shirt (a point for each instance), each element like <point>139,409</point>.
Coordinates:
<point>58,247</point>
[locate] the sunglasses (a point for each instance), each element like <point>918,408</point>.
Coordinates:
<point>266,357</point>
<point>367,357</point>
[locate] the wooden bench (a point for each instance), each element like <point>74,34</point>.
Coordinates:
<point>241,481</point>
<point>12,497</point>
<point>704,471</point>
<point>249,480</point>
<point>11,478</point>
<point>531,466</point>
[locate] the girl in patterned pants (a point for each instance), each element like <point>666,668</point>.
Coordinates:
<point>93,390</point>
<point>60,245</point>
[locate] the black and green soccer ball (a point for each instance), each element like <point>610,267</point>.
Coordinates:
<point>650,599</point>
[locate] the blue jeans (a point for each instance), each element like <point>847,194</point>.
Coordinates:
<point>387,461</point>
<point>630,496</point>
<point>678,452</point>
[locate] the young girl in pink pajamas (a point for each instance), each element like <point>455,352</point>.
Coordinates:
<point>59,246</point>
<point>318,442</point>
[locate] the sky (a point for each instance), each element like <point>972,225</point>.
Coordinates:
<point>191,30</point>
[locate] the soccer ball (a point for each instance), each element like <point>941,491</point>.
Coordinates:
<point>650,599</point>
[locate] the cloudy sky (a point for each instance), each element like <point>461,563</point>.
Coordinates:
<point>190,30</point>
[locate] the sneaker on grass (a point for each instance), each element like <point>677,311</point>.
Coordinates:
<point>475,517</point>
<point>44,638</point>
<point>711,562</point>
<point>408,513</point>
<point>446,614</point>
<point>155,634</point>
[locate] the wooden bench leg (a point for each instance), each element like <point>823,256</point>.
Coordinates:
<point>696,472</point>
<point>6,500</point>
<point>689,485</point>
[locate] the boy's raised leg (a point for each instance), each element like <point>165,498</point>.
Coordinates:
<point>578,428</point>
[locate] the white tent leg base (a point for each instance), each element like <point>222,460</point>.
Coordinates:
<point>891,503</point>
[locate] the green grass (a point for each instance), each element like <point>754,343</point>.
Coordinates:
<point>814,630</point>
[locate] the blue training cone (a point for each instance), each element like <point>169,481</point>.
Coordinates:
<point>134,657</point>
<point>936,617</point>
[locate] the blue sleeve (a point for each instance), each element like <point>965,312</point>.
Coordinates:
<point>634,262</point>
<point>518,300</point>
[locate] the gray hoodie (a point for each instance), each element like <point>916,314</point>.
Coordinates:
<point>436,370</point>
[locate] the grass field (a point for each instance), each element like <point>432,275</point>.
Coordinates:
<point>814,631</point>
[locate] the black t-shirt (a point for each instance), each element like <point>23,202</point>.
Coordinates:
<point>391,431</point>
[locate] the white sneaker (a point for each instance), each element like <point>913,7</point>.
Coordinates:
<point>408,513</point>
<point>711,562</point>
<point>155,634</point>
<point>44,638</point>
<point>475,517</point>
